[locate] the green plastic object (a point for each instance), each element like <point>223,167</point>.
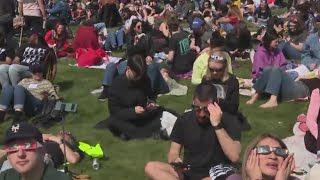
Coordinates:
<point>93,151</point>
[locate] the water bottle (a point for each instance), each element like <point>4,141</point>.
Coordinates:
<point>95,164</point>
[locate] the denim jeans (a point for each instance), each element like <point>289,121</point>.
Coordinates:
<point>226,26</point>
<point>99,26</point>
<point>22,99</point>
<point>277,82</point>
<point>114,40</point>
<point>111,71</point>
<point>289,52</point>
<point>4,75</point>
<point>198,4</point>
<point>18,72</point>
<point>158,84</point>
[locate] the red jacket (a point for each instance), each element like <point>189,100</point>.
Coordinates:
<point>86,37</point>
<point>61,44</point>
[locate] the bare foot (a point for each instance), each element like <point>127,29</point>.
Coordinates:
<point>253,99</point>
<point>269,104</point>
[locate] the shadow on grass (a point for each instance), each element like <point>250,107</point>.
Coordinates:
<point>65,85</point>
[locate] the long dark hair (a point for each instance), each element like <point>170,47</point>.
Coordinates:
<point>270,35</point>
<point>137,64</point>
<point>133,25</point>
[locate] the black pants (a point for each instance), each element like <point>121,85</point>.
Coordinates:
<point>33,23</point>
<point>111,16</point>
<point>135,128</point>
<point>7,29</point>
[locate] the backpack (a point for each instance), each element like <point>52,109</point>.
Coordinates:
<point>89,57</point>
<point>48,116</point>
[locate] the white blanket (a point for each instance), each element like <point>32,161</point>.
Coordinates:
<point>103,65</point>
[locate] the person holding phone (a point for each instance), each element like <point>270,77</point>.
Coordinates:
<point>208,136</point>
<point>133,114</point>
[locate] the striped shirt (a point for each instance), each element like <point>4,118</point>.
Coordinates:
<point>38,88</point>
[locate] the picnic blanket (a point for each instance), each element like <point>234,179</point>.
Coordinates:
<point>103,65</point>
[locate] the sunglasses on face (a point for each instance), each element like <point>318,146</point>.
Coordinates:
<point>31,145</point>
<point>139,27</point>
<point>265,150</point>
<point>198,109</point>
<point>215,70</point>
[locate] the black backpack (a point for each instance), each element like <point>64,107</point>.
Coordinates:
<point>48,116</point>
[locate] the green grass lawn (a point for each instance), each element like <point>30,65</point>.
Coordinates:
<point>126,160</point>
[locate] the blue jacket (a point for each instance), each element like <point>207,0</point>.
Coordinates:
<point>60,10</point>
<point>311,51</point>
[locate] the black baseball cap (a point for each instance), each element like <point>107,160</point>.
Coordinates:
<point>22,130</point>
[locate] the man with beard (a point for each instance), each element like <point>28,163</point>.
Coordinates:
<point>208,136</point>
<point>292,46</point>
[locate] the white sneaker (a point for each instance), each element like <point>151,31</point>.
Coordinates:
<point>97,91</point>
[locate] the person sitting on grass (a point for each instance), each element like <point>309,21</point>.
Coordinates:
<point>267,158</point>
<point>227,83</point>
<point>57,39</point>
<point>34,52</point>
<point>6,56</point>
<point>267,54</point>
<point>201,64</point>
<point>180,56</point>
<point>281,86</point>
<point>25,151</point>
<point>28,96</point>
<point>311,53</point>
<point>133,114</point>
<point>209,137</point>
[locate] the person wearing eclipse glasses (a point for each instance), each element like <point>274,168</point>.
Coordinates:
<point>227,83</point>
<point>209,138</point>
<point>26,154</point>
<point>267,157</point>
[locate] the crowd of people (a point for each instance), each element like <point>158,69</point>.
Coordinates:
<point>163,41</point>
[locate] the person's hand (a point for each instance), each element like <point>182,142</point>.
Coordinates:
<point>198,50</point>
<point>287,39</point>
<point>252,166</point>
<point>45,137</point>
<point>50,137</point>
<point>16,61</point>
<point>149,60</point>
<point>215,114</point>
<point>52,45</point>
<point>139,109</point>
<point>285,168</point>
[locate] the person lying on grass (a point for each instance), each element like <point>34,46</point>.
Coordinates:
<point>28,96</point>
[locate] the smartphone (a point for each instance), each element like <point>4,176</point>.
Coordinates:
<point>66,107</point>
<point>179,165</point>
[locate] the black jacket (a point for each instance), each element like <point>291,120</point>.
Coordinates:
<point>125,95</point>
<point>231,86</point>
<point>7,11</point>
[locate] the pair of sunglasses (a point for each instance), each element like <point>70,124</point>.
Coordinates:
<point>217,58</point>
<point>265,150</point>
<point>27,146</point>
<point>216,70</point>
<point>198,109</point>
